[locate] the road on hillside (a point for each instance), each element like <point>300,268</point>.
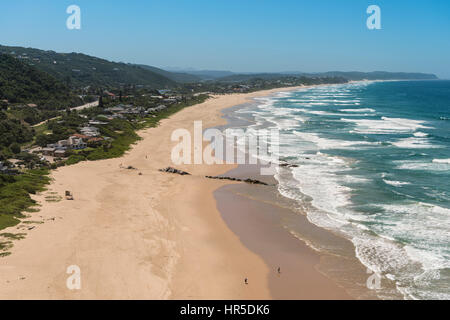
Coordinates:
<point>84,106</point>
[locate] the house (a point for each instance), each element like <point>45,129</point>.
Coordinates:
<point>170,101</point>
<point>61,153</point>
<point>73,143</point>
<point>110,94</point>
<point>49,151</point>
<point>6,170</point>
<point>81,136</point>
<point>94,141</point>
<point>118,108</point>
<point>157,109</point>
<point>95,122</point>
<point>90,131</point>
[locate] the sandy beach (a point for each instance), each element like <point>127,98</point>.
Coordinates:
<point>155,235</point>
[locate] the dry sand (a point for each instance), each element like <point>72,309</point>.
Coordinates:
<point>149,236</point>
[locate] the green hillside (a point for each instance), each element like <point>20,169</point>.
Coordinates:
<point>21,83</point>
<point>79,70</point>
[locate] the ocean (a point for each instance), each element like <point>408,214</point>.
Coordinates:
<point>373,165</point>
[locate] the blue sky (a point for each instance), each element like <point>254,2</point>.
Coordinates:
<point>241,35</point>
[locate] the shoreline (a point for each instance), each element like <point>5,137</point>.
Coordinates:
<point>338,260</point>
<point>149,236</point>
<point>258,215</point>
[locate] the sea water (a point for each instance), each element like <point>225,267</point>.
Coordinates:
<point>373,164</point>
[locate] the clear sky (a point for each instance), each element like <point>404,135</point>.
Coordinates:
<point>241,35</point>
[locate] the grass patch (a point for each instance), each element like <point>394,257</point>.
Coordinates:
<point>74,159</point>
<point>7,221</point>
<point>15,195</point>
<point>33,222</point>
<point>53,198</point>
<point>6,245</point>
<point>13,236</point>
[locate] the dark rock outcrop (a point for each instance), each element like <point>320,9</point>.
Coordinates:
<point>250,181</point>
<point>175,171</point>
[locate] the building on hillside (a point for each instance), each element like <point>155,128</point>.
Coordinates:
<point>55,149</point>
<point>157,109</point>
<point>60,153</point>
<point>110,94</point>
<point>95,122</point>
<point>48,151</point>
<point>80,136</point>
<point>90,131</point>
<point>118,108</point>
<point>95,141</point>
<point>170,101</point>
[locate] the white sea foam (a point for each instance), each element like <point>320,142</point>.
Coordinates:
<point>317,178</point>
<point>358,110</point>
<point>422,165</point>
<point>396,183</point>
<point>447,161</point>
<point>386,125</point>
<point>326,113</point>
<point>324,144</point>
<point>426,226</point>
<point>414,143</point>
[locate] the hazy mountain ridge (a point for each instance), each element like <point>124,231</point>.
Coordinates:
<point>351,75</point>
<point>180,77</point>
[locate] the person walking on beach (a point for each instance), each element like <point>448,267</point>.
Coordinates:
<point>246,281</point>
<point>279,270</point>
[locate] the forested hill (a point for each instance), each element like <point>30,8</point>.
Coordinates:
<point>21,83</point>
<point>180,77</point>
<point>76,69</point>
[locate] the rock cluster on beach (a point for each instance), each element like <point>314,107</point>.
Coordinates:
<point>176,171</point>
<point>250,181</point>
<point>184,173</point>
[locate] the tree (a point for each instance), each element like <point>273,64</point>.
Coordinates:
<point>15,148</point>
<point>100,101</point>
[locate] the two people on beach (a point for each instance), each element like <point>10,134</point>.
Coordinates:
<point>246,279</point>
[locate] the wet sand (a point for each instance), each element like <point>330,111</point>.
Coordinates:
<point>264,220</point>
